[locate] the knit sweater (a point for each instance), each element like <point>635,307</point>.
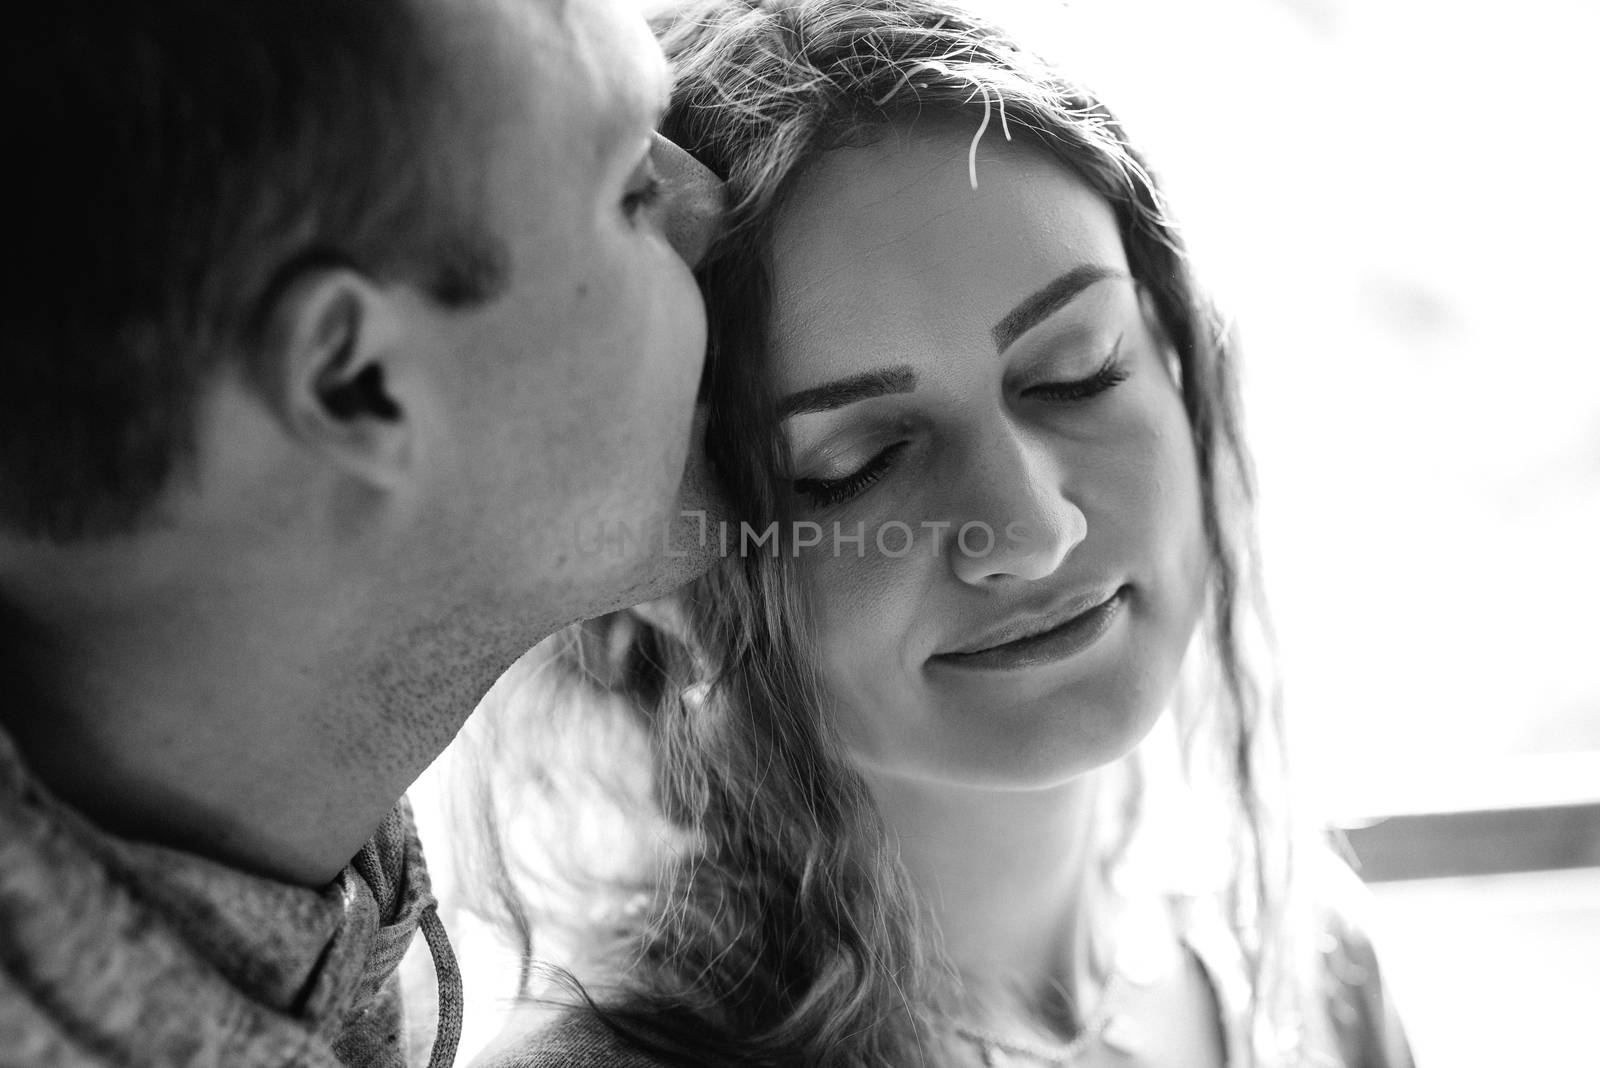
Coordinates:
<point>122,953</point>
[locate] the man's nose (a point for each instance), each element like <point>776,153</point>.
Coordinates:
<point>697,201</point>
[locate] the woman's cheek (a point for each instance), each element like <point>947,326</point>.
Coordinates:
<point>1169,484</point>
<point>860,627</point>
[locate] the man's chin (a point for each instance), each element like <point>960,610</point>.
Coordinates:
<point>693,535</point>
<point>687,548</point>
<point>681,542</point>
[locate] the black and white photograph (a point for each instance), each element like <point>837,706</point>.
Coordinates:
<point>828,533</point>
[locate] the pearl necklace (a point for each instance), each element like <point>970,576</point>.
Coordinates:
<point>991,1045</point>
<point>1141,959</point>
<point>1101,1026</point>
<point>1113,1030</point>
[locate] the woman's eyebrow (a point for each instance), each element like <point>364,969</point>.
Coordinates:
<point>1039,306</point>
<point>842,391</point>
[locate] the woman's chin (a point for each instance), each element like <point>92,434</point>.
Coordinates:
<point>1054,751</point>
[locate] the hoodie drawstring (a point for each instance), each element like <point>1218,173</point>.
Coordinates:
<point>447,973</point>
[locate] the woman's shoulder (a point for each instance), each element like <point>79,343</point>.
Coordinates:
<point>1360,1005</point>
<point>577,1039</point>
<point>1354,1022</point>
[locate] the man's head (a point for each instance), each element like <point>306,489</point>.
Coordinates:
<point>361,289</point>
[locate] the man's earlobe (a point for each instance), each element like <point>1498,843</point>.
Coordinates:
<point>335,344</point>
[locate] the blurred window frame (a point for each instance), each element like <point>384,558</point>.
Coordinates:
<point>1516,814</point>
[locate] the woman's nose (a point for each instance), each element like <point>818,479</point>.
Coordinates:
<point>1019,523</point>
<point>696,200</point>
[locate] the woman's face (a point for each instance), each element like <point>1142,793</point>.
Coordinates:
<point>984,425</point>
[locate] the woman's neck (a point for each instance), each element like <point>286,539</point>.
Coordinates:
<point>1001,873</point>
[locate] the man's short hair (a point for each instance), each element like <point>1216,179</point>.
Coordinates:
<point>174,164</point>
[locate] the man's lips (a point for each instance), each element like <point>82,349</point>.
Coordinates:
<point>1030,626</point>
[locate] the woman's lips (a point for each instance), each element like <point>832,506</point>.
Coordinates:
<point>1057,643</point>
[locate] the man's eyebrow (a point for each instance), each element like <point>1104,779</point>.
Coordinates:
<point>1047,301</point>
<point>842,391</point>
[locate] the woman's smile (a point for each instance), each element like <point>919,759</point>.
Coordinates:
<point>1043,639</point>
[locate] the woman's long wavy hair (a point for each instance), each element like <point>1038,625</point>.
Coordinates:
<point>785,931</point>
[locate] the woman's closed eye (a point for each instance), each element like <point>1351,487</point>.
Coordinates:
<point>825,492</point>
<point>1111,374</point>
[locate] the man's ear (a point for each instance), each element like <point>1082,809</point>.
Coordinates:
<point>332,371</point>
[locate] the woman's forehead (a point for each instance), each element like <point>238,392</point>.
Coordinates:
<point>890,240</point>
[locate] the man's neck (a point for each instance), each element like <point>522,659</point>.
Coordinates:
<point>267,739</point>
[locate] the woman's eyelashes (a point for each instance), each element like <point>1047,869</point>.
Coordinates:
<point>1111,374</point>
<point>824,492</point>
<point>827,492</point>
